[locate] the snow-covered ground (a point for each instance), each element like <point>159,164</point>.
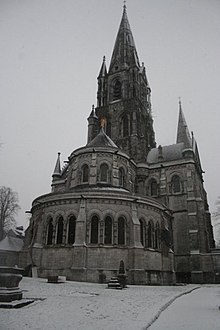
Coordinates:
<point>197,311</point>
<point>87,306</point>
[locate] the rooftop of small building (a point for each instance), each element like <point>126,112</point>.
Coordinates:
<point>11,243</point>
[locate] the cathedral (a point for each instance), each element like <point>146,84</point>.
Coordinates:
<point>122,197</point>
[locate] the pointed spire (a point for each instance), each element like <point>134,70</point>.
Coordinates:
<point>182,130</point>
<point>103,70</point>
<point>57,169</point>
<point>124,52</point>
<point>92,114</point>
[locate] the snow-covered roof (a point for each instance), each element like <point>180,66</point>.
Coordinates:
<point>168,153</point>
<point>10,243</point>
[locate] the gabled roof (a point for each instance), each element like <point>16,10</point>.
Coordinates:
<point>124,52</point>
<point>102,140</point>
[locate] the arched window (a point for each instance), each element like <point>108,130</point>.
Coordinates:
<point>71,230</point>
<point>124,126</point>
<point>121,177</point>
<point>85,173</point>
<point>150,234</point>
<point>157,236</point>
<point>104,173</point>
<point>50,232</point>
<point>121,231</point>
<point>94,237</point>
<point>176,184</point>
<point>153,188</point>
<point>142,232</point>
<point>116,90</point>
<point>108,230</point>
<point>59,236</point>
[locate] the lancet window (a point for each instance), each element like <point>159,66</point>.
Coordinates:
<point>153,188</point>
<point>94,235</point>
<point>121,231</point>
<point>104,172</point>
<point>176,184</point>
<point>59,233</point>
<point>157,236</point>
<point>121,177</point>
<point>142,232</point>
<point>85,173</point>
<point>71,230</point>
<point>49,232</point>
<point>108,230</point>
<point>117,90</point>
<point>150,234</point>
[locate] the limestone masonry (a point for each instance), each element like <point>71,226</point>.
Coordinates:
<point>121,197</point>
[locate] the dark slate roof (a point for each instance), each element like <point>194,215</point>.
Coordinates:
<point>171,152</point>
<point>102,140</point>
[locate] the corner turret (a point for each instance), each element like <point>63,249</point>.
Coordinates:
<point>92,125</point>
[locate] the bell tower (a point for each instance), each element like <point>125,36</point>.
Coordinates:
<point>124,97</point>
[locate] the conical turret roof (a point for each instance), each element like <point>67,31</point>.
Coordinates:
<point>57,169</point>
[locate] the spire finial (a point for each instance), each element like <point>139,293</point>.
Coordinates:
<point>103,58</point>
<point>180,104</point>
<point>124,6</point>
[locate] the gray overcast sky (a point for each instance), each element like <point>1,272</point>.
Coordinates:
<point>50,55</point>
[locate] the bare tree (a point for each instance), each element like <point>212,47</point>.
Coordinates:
<point>216,222</point>
<point>8,209</point>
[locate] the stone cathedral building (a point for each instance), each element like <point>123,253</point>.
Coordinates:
<point>122,197</point>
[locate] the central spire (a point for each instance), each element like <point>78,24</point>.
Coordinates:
<point>124,97</point>
<point>124,52</point>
